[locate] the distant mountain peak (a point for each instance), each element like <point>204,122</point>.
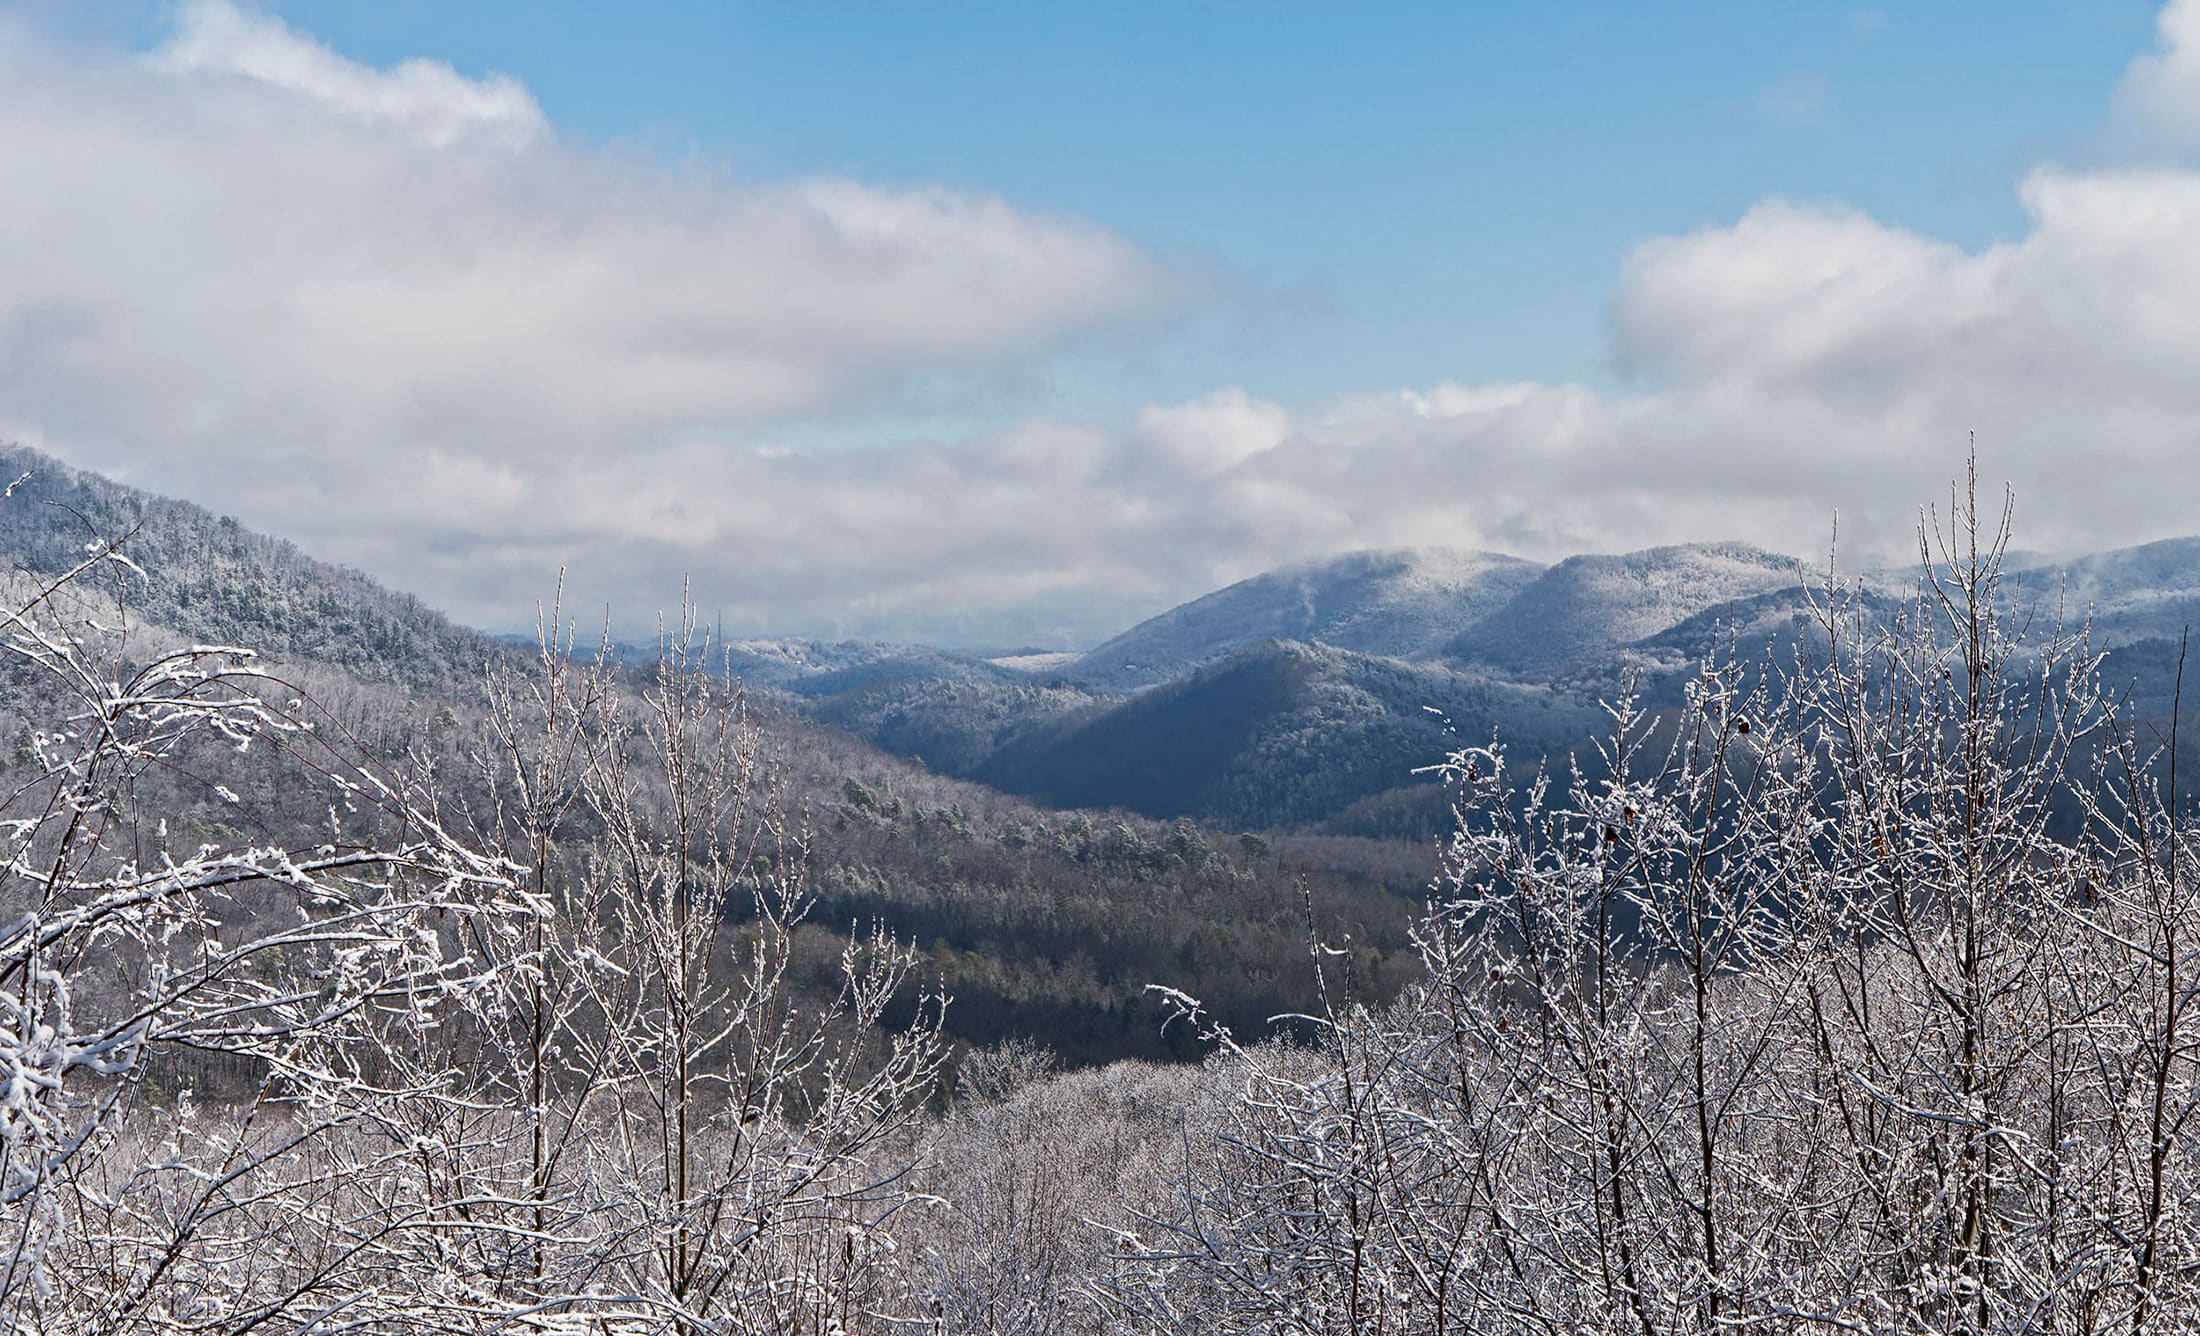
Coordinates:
<point>1597,601</point>
<point>1401,602</point>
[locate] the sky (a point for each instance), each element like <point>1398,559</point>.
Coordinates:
<point>1005,325</point>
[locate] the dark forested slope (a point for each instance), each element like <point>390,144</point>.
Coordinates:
<point>1282,734</point>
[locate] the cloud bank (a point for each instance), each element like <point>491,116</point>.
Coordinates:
<point>394,314</point>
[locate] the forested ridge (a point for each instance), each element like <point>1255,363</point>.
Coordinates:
<point>210,579</point>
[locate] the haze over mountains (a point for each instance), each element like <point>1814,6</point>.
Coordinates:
<point>1302,698</point>
<point>1308,696</point>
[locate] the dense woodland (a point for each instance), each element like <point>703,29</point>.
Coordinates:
<point>1844,982</point>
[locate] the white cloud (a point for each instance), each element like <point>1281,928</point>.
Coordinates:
<point>2159,100</point>
<point>248,269</point>
<point>1212,433</point>
<point>215,39</point>
<point>1802,361</point>
<point>393,314</point>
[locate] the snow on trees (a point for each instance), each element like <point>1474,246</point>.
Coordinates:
<point>1856,995</point>
<point>466,1082</point>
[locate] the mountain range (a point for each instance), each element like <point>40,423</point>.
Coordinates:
<point>1039,921</point>
<point>1406,604</point>
<point>1301,698</point>
<point>1307,697</point>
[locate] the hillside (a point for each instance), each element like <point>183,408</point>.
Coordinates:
<point>210,579</point>
<point>2131,594</point>
<point>1281,734</point>
<point>816,668</point>
<point>1039,922</point>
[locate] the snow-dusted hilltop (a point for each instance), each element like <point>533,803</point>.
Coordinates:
<point>1404,604</point>
<point>2131,594</point>
<point>1447,604</point>
<point>205,578</point>
<point>1587,605</point>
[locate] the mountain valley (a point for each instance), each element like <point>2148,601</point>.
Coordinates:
<point>1060,831</point>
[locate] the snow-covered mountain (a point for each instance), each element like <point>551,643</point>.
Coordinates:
<point>1289,698</point>
<point>206,578</point>
<point>2149,592</point>
<point>1214,708</point>
<point>1404,604</point>
<point>812,668</point>
<point>1587,606</point>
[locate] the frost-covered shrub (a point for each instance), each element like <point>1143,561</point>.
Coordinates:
<point>1035,1185</point>
<point>1857,994</point>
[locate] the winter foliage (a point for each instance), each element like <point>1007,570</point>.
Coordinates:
<point>1856,996</point>
<point>1853,992</point>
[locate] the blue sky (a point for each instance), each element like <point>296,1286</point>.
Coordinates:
<point>1380,193</point>
<point>1008,323</point>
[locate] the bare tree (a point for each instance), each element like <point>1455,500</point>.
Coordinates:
<point>720,1118</point>
<point>137,948</point>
